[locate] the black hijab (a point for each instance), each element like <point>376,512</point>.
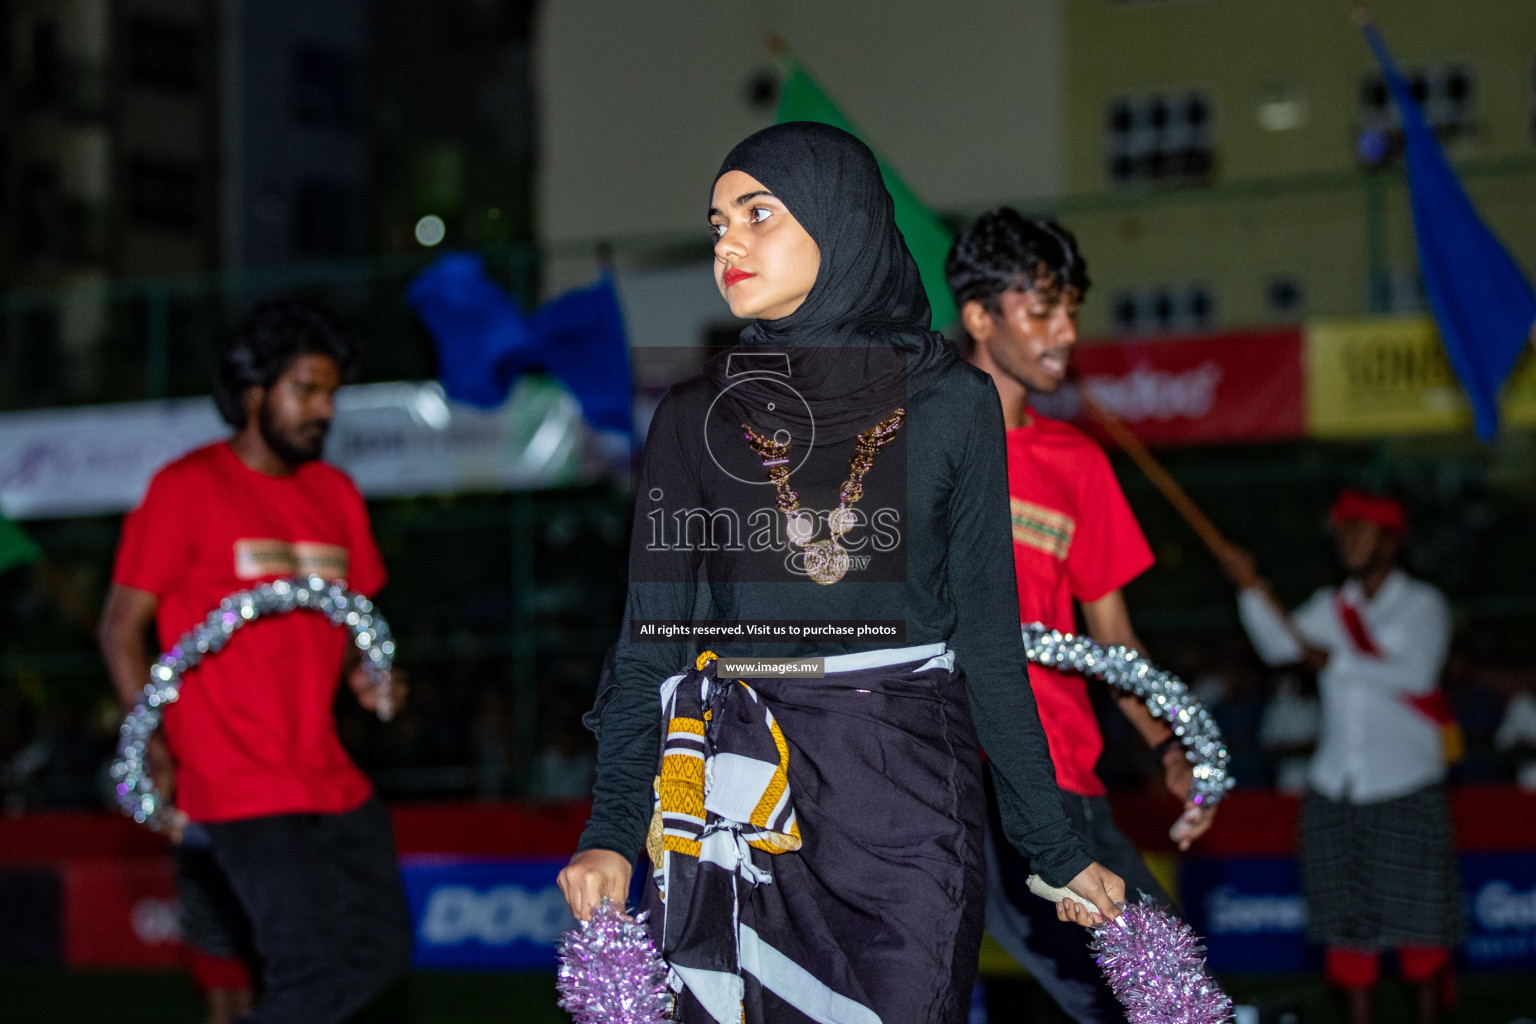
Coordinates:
<point>860,345</point>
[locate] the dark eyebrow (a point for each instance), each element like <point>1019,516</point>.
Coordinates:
<point>743,200</point>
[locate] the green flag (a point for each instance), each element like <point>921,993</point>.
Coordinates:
<point>926,236</point>
<point>16,548</point>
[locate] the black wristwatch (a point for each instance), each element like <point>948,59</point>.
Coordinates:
<point>1161,750</point>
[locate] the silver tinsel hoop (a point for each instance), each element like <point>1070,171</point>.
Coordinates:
<point>135,791</point>
<point>1165,695</point>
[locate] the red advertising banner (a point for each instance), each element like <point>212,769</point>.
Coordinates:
<point>469,828</point>
<point>121,912</point>
<point>1242,386</point>
<point>485,879</point>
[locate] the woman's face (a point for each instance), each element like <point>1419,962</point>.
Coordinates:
<point>765,262</point>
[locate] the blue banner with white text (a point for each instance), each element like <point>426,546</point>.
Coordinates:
<point>1251,915</point>
<point>503,914</point>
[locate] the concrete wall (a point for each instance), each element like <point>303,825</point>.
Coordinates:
<point>1284,202</point>
<point>977,103</point>
<point>638,103</point>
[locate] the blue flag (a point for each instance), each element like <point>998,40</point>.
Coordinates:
<point>580,338</point>
<point>1483,303</point>
<point>484,342</point>
<point>481,337</point>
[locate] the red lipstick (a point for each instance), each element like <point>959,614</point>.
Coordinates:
<point>734,276</point>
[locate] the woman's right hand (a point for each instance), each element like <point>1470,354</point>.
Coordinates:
<point>592,875</point>
<point>1099,886</point>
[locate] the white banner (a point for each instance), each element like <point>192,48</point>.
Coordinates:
<point>393,439</point>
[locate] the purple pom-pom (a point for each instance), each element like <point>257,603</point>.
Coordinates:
<point>610,973</point>
<point>1155,965</point>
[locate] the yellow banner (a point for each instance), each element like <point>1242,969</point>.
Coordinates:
<point>1389,375</point>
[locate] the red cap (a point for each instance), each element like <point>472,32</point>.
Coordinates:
<point>1387,513</point>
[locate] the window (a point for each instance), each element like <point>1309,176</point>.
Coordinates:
<point>38,197</point>
<point>325,87</point>
<point>327,218</point>
<point>163,193</point>
<point>163,55</point>
<point>47,63</point>
<point>7,38</point>
<point>1447,92</point>
<point>1163,309</point>
<point>761,90</point>
<point>1285,298</point>
<point>1160,137</point>
<point>41,358</point>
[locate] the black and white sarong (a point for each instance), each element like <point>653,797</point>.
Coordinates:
<point>817,843</point>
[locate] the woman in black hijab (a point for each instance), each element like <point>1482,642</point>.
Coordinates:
<point>835,489</point>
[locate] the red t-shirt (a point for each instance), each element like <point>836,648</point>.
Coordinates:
<point>254,731</point>
<point>1073,537</point>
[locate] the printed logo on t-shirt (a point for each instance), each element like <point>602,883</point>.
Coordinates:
<point>1039,527</point>
<point>256,558</point>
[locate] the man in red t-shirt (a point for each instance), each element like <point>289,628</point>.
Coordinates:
<point>1019,284</point>
<point>260,774</point>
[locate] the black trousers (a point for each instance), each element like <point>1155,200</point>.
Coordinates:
<point>325,901</point>
<point>212,920</point>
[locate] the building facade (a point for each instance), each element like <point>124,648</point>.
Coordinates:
<point>639,103</point>
<point>109,168</point>
<point>164,163</point>
<point>1234,163</point>
<point>1223,163</point>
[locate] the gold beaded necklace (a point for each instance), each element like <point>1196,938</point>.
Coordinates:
<point>826,561</point>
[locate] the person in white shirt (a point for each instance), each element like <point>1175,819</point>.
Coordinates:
<point>1378,863</point>
<point>1289,730</point>
<point>1517,736</point>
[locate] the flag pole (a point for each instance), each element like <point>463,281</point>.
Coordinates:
<point>1182,503</point>
<point>1214,540</point>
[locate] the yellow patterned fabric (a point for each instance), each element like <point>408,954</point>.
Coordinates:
<point>775,794</point>
<point>731,773</point>
<point>680,791</point>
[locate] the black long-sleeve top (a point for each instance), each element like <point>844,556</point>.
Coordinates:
<point>935,524</point>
